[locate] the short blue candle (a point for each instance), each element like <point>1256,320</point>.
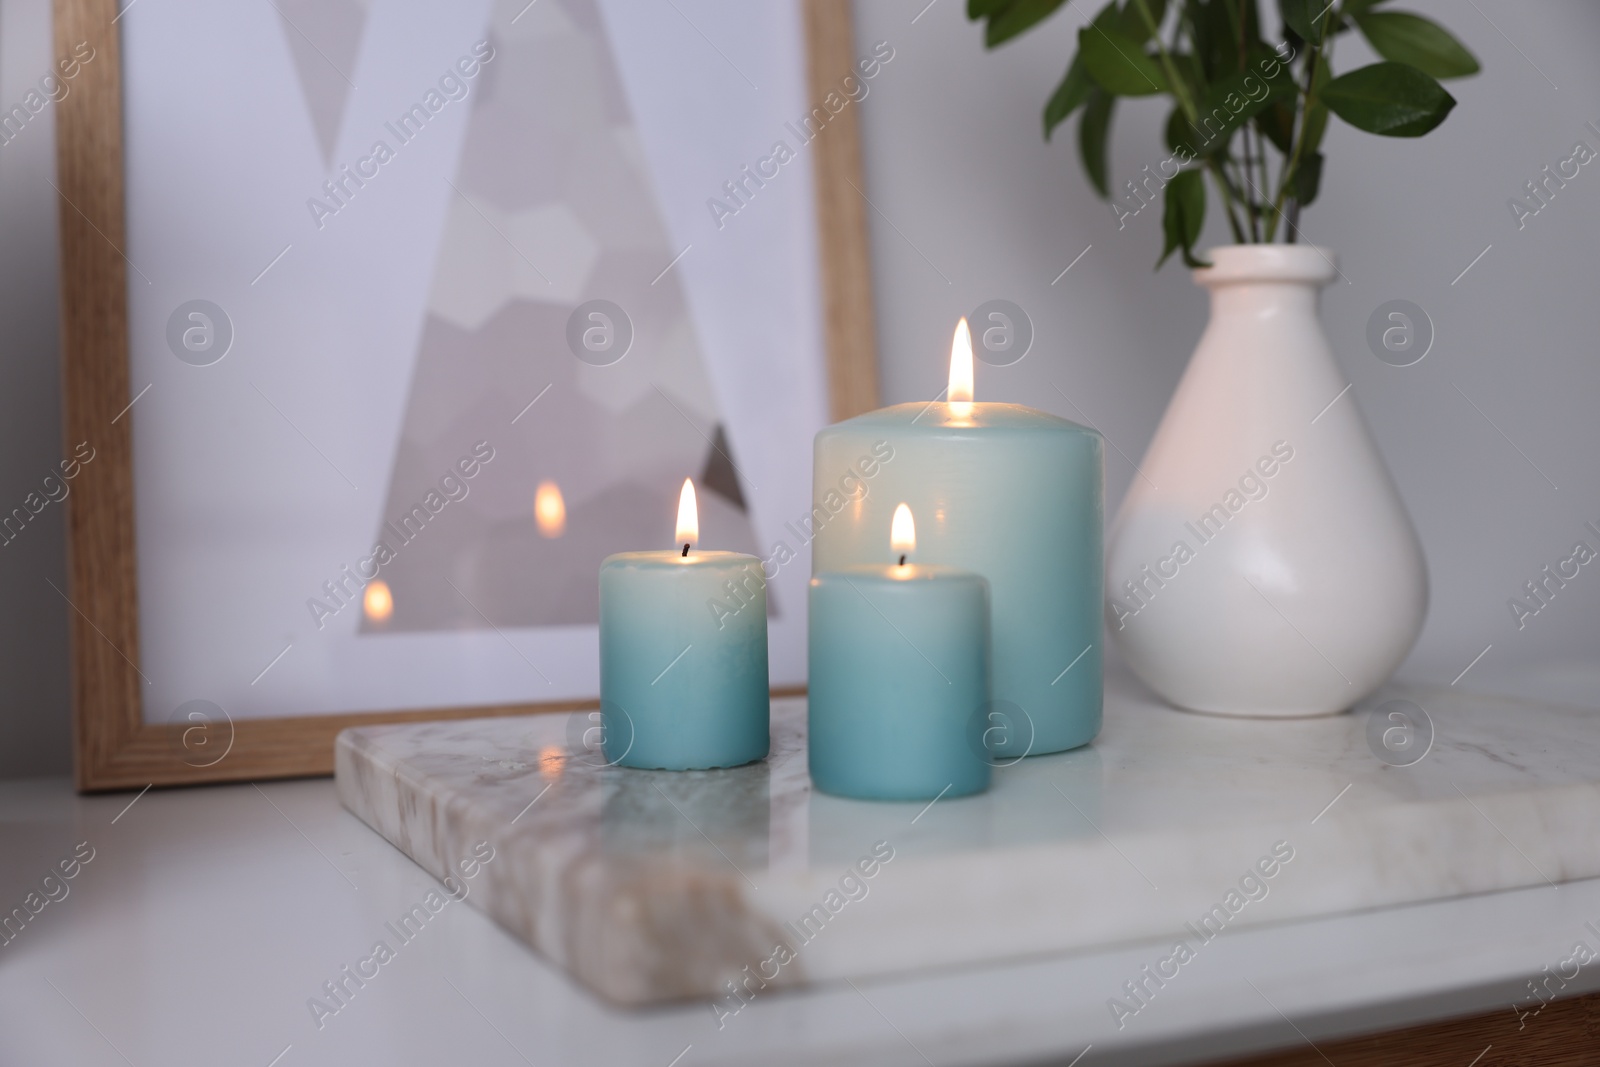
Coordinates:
<point>683,680</point>
<point>1008,492</point>
<point>899,681</point>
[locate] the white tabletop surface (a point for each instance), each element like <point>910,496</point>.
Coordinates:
<point>208,918</point>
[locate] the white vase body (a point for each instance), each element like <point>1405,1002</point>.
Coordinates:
<point>1301,584</point>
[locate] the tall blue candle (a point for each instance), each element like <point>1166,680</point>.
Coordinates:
<point>898,679</point>
<point>683,685</point>
<point>1008,492</point>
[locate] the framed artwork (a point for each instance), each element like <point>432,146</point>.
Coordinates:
<point>385,322</point>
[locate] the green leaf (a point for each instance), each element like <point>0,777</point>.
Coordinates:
<point>1295,42</point>
<point>1277,123</point>
<point>1076,84</point>
<point>1106,17</point>
<point>1118,63</point>
<point>1184,216</point>
<point>1216,44</point>
<point>1391,99</point>
<point>982,9</point>
<point>1180,134</point>
<point>1228,105</point>
<point>1131,20</point>
<point>1018,17</point>
<point>1307,18</point>
<point>1190,71</point>
<point>1070,95</point>
<point>1308,178</point>
<point>1093,133</point>
<point>1423,43</point>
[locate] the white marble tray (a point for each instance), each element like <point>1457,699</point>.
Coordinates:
<point>651,885</point>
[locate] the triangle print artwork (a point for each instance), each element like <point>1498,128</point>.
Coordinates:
<point>323,36</point>
<point>572,459</point>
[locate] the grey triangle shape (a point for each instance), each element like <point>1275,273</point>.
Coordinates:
<point>719,474</point>
<point>323,37</point>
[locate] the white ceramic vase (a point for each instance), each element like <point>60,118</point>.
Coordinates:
<point>1262,563</point>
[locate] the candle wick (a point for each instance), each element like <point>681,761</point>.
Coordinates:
<point>686,550</point>
<point>902,560</point>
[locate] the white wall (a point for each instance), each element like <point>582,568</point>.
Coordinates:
<point>970,204</point>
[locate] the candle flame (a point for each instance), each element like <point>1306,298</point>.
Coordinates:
<point>960,394</point>
<point>377,601</point>
<point>688,515</point>
<point>550,510</point>
<point>902,531</point>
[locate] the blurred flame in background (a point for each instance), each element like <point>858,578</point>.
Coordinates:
<point>378,601</point>
<point>550,510</point>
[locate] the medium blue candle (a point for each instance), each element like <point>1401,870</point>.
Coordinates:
<point>683,681</point>
<point>1008,492</point>
<point>899,678</point>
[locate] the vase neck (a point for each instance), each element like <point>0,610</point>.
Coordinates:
<point>1262,280</point>
<point>1261,299</point>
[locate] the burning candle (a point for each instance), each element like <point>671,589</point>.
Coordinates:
<point>1010,493</point>
<point>683,677</point>
<point>899,677</point>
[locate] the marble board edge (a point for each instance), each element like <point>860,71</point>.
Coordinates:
<point>634,932</point>
<point>642,930</point>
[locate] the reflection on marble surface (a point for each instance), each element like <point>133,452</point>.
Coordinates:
<point>685,811</point>
<point>1027,804</point>
<point>651,885</point>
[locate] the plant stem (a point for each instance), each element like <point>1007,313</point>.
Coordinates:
<point>1291,167</point>
<point>1266,179</point>
<point>1232,9</point>
<point>1227,198</point>
<point>1180,90</point>
<point>1252,208</point>
<point>1252,216</point>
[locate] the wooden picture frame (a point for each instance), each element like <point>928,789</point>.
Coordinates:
<point>114,746</point>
